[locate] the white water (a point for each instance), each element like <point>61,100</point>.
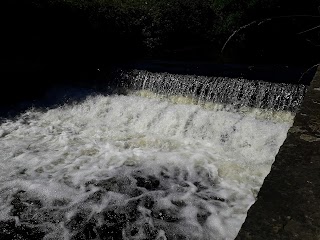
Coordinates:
<point>129,167</point>
<point>236,92</point>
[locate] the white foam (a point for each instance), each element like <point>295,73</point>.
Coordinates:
<point>183,170</point>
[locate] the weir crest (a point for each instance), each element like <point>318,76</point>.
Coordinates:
<point>237,92</point>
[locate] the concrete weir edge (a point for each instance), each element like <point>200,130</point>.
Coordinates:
<point>288,204</point>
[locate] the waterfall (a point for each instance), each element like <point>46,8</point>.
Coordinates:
<point>237,92</point>
<point>144,164</point>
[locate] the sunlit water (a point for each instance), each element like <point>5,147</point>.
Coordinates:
<point>136,167</point>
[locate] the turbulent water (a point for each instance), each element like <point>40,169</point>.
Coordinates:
<point>135,166</point>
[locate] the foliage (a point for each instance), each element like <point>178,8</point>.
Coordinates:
<point>159,28</point>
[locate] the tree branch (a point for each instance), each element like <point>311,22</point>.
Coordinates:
<point>309,69</point>
<point>263,21</point>
<point>308,30</point>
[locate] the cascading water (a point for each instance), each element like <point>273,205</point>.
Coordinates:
<point>178,157</point>
<point>236,92</point>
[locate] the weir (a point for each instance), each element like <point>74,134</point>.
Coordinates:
<point>172,157</point>
<point>237,92</point>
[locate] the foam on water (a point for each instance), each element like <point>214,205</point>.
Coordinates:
<point>131,167</point>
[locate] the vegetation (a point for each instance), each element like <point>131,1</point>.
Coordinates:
<point>186,29</point>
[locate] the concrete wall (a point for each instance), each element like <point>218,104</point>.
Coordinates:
<point>288,204</point>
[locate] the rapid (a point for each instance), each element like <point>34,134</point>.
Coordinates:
<point>162,161</point>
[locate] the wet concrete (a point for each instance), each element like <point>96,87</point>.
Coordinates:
<point>288,204</point>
